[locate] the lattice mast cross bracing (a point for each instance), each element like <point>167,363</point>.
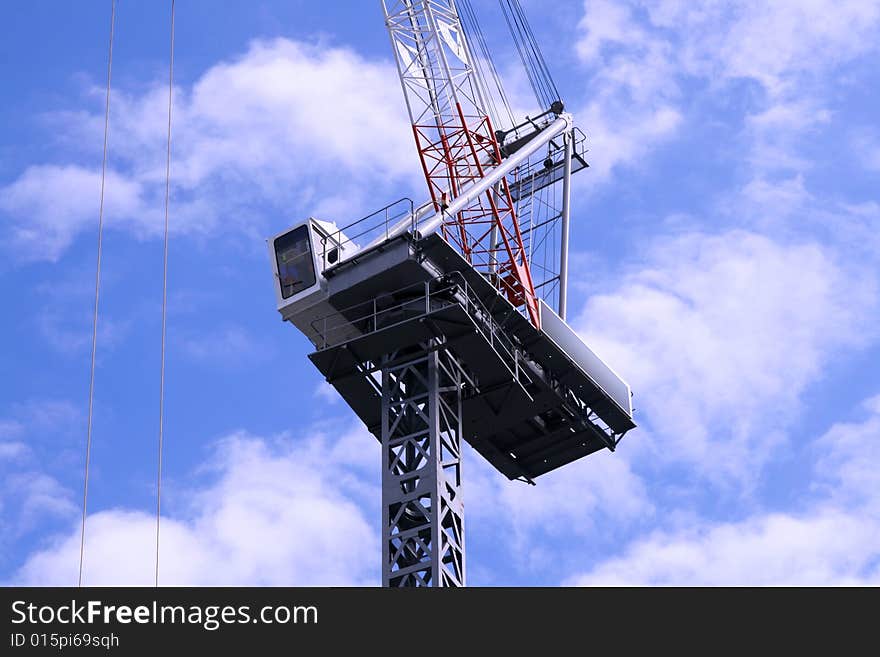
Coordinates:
<point>456,142</point>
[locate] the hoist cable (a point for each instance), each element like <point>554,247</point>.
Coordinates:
<point>82,536</point>
<point>539,54</point>
<point>540,63</point>
<point>520,41</point>
<point>522,55</point>
<point>164,293</point>
<point>472,27</point>
<point>533,61</point>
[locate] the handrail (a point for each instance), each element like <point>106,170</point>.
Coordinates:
<point>368,312</point>
<point>341,237</point>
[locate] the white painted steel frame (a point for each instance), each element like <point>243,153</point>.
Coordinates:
<point>422,509</point>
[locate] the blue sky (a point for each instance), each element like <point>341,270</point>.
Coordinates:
<point>725,245</point>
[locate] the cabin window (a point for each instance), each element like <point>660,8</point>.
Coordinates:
<point>296,269</point>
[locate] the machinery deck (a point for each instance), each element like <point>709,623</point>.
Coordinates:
<point>529,407</point>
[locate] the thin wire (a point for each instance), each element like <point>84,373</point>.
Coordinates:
<point>470,31</point>
<point>82,536</point>
<point>485,60</point>
<point>164,294</point>
<point>540,65</point>
<point>548,78</point>
<point>530,53</point>
<point>522,55</point>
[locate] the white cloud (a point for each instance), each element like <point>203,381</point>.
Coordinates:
<point>777,132</point>
<point>849,464</point>
<point>545,525</point>
<point>39,495</point>
<point>775,200</point>
<point>10,447</point>
<point>29,498</point>
<point>299,107</point>
<point>836,541</point>
<point>279,125</point>
<point>67,326</point>
<point>55,203</point>
<point>772,43</point>
<point>326,393</point>
<point>865,144</point>
<point>37,430</point>
<point>719,337</point>
<point>827,548</point>
<point>645,58</point>
<point>47,416</point>
<point>632,87</point>
<point>63,309</point>
<point>856,226</point>
<point>33,441</point>
<point>10,428</point>
<point>10,450</point>
<point>784,207</point>
<point>797,114</point>
<point>620,138</point>
<point>277,512</point>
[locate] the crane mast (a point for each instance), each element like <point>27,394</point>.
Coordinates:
<point>457,143</point>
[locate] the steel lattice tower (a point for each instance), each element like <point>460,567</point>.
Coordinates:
<point>422,511</point>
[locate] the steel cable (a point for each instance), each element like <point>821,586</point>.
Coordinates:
<point>82,537</point>
<point>164,294</point>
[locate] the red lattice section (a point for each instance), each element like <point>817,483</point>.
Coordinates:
<point>486,232</point>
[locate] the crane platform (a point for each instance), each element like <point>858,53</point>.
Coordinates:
<point>533,399</point>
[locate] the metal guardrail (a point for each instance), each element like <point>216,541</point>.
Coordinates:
<point>417,300</point>
<point>368,316</point>
<point>422,298</point>
<point>371,227</point>
<point>537,176</point>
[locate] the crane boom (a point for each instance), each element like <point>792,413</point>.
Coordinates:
<point>457,144</point>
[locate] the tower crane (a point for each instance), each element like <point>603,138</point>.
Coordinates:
<point>435,323</point>
<point>457,143</point>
